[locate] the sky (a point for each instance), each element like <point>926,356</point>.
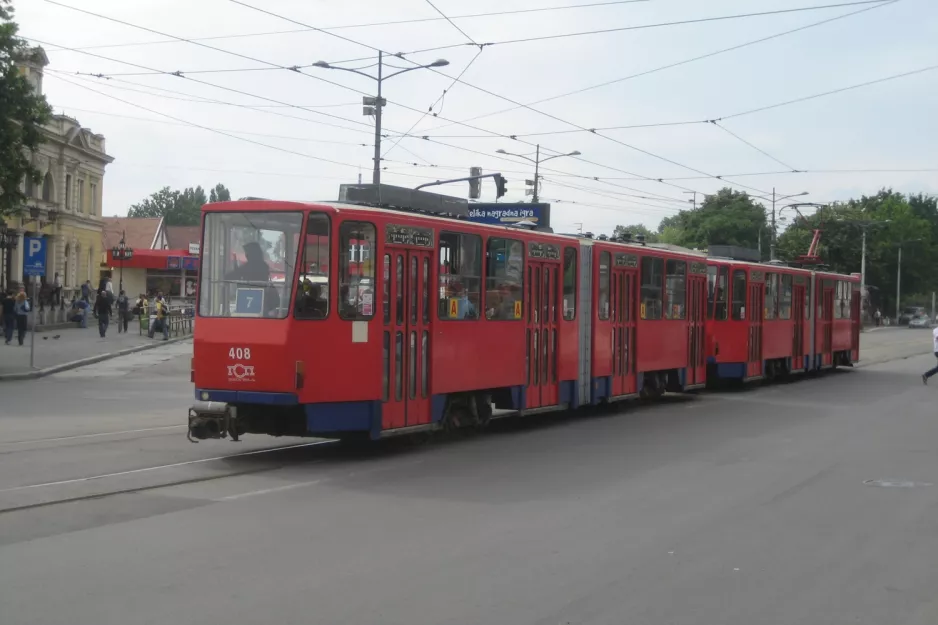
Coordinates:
<point>239,114</point>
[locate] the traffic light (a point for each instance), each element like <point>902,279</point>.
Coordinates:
<point>501,186</point>
<point>475,186</point>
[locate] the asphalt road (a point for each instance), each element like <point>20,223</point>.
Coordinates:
<point>752,507</point>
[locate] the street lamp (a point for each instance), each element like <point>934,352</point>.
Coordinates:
<point>373,106</point>
<point>122,252</point>
<point>537,160</point>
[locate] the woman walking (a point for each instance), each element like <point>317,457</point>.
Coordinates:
<point>21,308</point>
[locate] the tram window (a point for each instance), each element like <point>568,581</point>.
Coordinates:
<point>784,298</point>
<point>504,279</point>
<point>460,276</point>
<point>839,299</point>
<point>721,294</point>
<point>676,291</point>
<point>399,295</point>
<point>652,282</point>
<point>356,271</point>
<point>711,289</point>
<point>739,294</point>
<point>312,297</point>
<point>569,283</point>
<point>248,263</point>
<point>604,261</point>
<point>771,295</point>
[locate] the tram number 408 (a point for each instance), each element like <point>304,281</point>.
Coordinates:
<point>239,353</point>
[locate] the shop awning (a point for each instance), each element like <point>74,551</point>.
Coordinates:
<point>171,260</point>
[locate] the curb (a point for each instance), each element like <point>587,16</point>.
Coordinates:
<point>65,366</point>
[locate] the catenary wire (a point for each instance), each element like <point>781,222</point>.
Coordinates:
<point>754,147</point>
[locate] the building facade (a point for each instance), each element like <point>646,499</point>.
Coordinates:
<point>65,207</point>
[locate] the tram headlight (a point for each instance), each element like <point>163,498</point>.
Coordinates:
<point>205,395</point>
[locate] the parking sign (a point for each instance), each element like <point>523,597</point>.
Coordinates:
<point>34,256</point>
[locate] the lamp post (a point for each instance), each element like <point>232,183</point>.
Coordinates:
<point>373,106</point>
<point>864,227</point>
<point>537,160</point>
<point>121,252</point>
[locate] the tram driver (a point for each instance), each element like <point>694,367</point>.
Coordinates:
<point>254,270</point>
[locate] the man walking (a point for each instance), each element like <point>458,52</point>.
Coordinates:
<point>123,312</point>
<point>933,370</point>
<point>102,306</point>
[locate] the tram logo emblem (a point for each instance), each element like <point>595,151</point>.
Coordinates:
<point>240,373</point>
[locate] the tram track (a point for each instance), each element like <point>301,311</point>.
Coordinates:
<point>164,483</point>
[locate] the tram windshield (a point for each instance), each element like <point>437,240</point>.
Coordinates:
<point>247,264</point>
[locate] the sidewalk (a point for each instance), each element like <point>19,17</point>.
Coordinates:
<point>73,347</point>
<point>885,344</point>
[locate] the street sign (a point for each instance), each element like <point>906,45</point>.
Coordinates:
<point>34,256</point>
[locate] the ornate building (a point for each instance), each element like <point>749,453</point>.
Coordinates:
<point>66,207</point>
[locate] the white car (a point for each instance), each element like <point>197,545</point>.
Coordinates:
<point>922,321</point>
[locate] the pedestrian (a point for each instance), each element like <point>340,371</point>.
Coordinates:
<point>9,316</point>
<point>21,308</point>
<point>933,370</point>
<point>123,312</point>
<point>162,320</point>
<point>879,317</point>
<point>102,307</point>
<point>86,291</point>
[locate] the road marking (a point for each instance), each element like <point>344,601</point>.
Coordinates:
<point>69,438</point>
<point>163,466</point>
<point>265,491</point>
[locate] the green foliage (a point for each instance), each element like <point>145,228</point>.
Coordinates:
<point>891,220</point>
<point>650,237</point>
<point>727,218</point>
<point>22,113</point>
<point>219,193</point>
<point>179,208</point>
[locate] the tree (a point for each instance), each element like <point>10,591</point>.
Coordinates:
<point>177,208</point>
<point>23,113</point>
<point>219,193</point>
<point>726,218</point>
<point>633,229</point>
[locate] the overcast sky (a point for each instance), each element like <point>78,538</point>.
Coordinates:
<point>886,126</point>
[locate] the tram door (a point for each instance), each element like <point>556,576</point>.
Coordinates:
<point>797,338</point>
<point>696,305</point>
<point>406,336</point>
<point>543,303</point>
<point>826,323</point>
<point>756,315</point>
<point>622,314</point>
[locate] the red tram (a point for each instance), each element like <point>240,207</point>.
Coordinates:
<point>390,322</point>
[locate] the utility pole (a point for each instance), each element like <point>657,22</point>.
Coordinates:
<point>379,104</point>
<point>374,105</point>
<point>898,279</point>
<point>537,160</point>
<point>778,198</point>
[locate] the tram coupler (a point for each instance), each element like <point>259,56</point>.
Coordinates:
<point>212,420</point>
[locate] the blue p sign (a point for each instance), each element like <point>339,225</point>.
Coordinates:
<point>34,256</point>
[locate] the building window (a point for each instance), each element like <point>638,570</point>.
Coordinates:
<point>784,298</point>
<point>676,289</point>
<point>68,191</point>
<point>739,295</point>
<point>504,279</point>
<point>312,296</point>
<point>93,204</point>
<point>28,189</point>
<point>81,196</point>
<point>569,283</point>
<point>604,261</point>
<point>652,280</point>
<point>460,280</point>
<point>169,283</point>
<point>356,271</point>
<point>48,189</point>
<point>771,295</point>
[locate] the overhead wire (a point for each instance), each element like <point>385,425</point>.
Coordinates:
<point>605,31</point>
<point>294,70</point>
<point>753,146</point>
<point>453,24</point>
<point>673,65</point>
<point>375,24</point>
